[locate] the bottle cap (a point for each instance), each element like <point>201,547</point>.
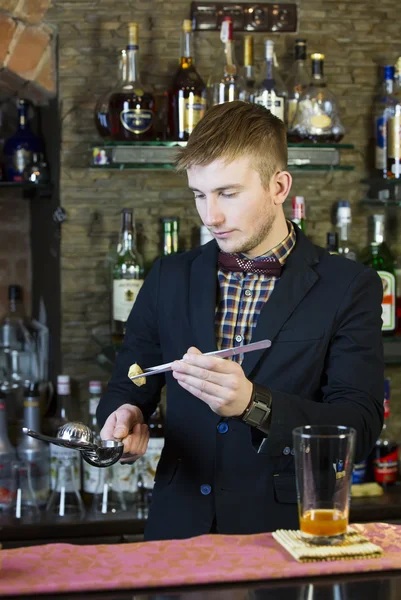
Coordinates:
<point>95,387</point>
<point>343,212</point>
<point>31,389</point>
<point>317,56</point>
<point>389,72</point>
<point>14,292</point>
<point>187,26</point>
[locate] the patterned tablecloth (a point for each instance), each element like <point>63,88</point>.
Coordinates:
<point>206,559</point>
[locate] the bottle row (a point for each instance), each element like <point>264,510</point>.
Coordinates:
<point>130,111</point>
<point>22,154</point>
<point>35,476</point>
<point>388,124</point>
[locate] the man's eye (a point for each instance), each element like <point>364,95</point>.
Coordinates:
<point>198,196</point>
<point>228,195</point>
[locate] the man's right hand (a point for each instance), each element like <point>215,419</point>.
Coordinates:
<point>126,424</point>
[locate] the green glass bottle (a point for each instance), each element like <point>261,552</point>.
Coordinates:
<point>128,276</point>
<point>170,235</point>
<point>378,256</point>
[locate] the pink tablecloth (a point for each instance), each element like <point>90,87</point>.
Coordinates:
<point>205,559</point>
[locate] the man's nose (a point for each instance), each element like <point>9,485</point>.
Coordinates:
<point>213,216</point>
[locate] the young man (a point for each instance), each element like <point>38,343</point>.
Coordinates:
<point>228,463</point>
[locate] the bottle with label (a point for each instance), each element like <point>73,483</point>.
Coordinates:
<point>62,415</point>
<point>394,130</point>
<point>298,212</point>
<point>384,109</point>
<point>19,148</point>
<point>7,456</point>
<point>187,97</point>
<point>332,242</point>
<point>345,246</point>
<point>386,451</point>
<point>132,104</point>
<point>297,81</point>
<point>91,474</point>
<point>32,451</point>
<point>378,256</point>
<point>249,69</point>
<point>225,83</point>
<point>147,465</point>
<point>317,118</point>
<point>128,275</point>
<point>101,113</point>
<point>170,235</point>
<point>271,92</point>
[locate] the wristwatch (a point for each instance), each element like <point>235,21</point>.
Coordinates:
<point>257,413</point>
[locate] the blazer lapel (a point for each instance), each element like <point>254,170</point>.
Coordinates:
<point>297,279</point>
<point>202,297</point>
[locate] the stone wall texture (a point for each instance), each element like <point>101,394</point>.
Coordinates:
<point>355,35</point>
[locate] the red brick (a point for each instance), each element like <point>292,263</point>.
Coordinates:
<point>28,52</point>
<point>46,77</point>
<point>33,11</point>
<point>7,30</point>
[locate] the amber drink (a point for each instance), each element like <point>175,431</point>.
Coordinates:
<point>324,458</point>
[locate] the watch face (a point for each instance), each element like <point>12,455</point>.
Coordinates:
<point>257,414</point>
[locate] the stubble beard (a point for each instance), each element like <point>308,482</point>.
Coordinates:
<point>257,238</point>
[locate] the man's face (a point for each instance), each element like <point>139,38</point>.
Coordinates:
<point>234,205</point>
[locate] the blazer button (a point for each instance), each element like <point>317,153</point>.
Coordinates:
<point>292,451</point>
<point>222,427</point>
<point>205,489</point>
<point>287,450</point>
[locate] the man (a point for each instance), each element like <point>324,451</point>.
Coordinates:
<point>228,464</point>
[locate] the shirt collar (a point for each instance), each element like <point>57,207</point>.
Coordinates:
<point>283,249</point>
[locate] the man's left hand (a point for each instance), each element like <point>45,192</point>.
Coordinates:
<point>219,382</point>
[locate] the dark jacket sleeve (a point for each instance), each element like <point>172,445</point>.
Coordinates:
<point>142,346</point>
<point>353,379</point>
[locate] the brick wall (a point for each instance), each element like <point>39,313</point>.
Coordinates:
<point>355,35</point>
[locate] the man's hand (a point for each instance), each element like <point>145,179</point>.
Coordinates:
<point>219,382</point>
<point>126,424</point>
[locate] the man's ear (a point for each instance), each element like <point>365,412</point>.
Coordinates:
<point>280,186</point>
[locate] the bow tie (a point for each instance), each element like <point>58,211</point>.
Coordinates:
<point>267,266</point>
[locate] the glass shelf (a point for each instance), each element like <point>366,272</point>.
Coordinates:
<point>159,155</point>
<point>383,203</point>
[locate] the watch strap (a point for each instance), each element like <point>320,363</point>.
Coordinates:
<point>257,413</point>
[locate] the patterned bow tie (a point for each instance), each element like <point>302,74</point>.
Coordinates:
<point>267,266</point>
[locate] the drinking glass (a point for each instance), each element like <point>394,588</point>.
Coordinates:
<point>23,505</point>
<point>324,457</point>
<point>109,497</point>
<point>65,500</point>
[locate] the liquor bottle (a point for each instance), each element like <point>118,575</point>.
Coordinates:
<point>101,113</point>
<point>384,108</point>
<point>317,118</point>
<point>249,69</point>
<point>147,464</point>
<point>19,148</point>
<point>297,81</point>
<point>132,104</point>
<point>12,387</point>
<point>128,276</point>
<point>225,83</point>
<point>90,473</point>
<point>270,92</point>
<point>7,456</point>
<point>394,130</point>
<point>170,235</point>
<point>345,246</point>
<point>332,242</point>
<point>61,416</point>
<point>298,212</point>
<point>35,452</point>
<point>187,97</point>
<point>386,451</point>
<point>378,256</point>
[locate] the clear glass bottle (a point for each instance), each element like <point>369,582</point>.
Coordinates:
<point>394,129</point>
<point>91,474</point>
<point>317,118</point>
<point>204,235</point>
<point>249,69</point>
<point>187,97</point>
<point>7,456</point>
<point>225,83</point>
<point>170,240</point>
<point>128,276</point>
<point>346,246</point>
<point>32,451</point>
<point>270,92</point>
<point>298,212</point>
<point>384,108</point>
<point>19,148</point>
<point>63,414</point>
<point>378,256</point>
<point>297,81</point>
<point>132,104</point>
<point>147,464</point>
<point>12,387</point>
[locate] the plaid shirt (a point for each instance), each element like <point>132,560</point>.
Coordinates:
<point>242,296</point>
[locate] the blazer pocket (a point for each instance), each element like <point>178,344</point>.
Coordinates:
<point>285,489</point>
<point>166,472</point>
<point>297,335</point>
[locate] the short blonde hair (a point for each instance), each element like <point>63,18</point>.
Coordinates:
<point>235,129</point>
